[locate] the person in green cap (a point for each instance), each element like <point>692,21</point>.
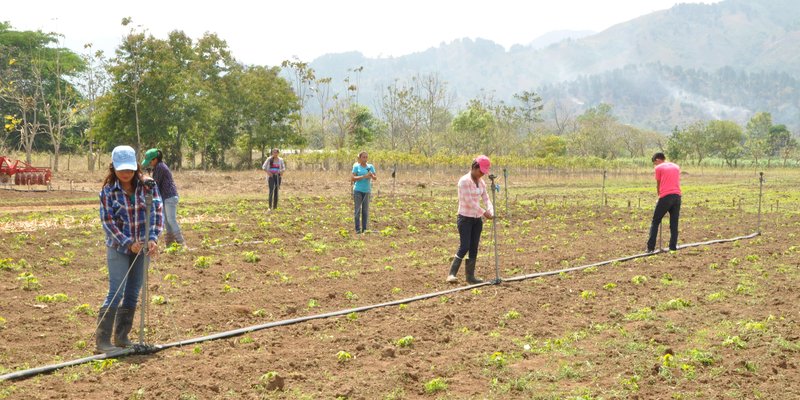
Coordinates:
<point>153,158</point>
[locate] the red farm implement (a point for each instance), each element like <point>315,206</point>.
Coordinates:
<point>23,173</point>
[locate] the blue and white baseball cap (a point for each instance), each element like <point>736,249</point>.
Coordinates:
<point>124,158</point>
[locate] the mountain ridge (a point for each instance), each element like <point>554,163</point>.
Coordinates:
<point>752,37</point>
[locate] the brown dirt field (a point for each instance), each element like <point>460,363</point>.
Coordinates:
<point>717,321</point>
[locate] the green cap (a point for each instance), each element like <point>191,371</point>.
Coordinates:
<point>149,155</point>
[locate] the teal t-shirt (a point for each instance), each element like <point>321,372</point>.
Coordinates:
<point>362,185</point>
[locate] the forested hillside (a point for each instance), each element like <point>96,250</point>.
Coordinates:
<point>737,56</point>
<point>660,97</point>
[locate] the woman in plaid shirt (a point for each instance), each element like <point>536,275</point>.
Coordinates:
<point>471,189</point>
<point>123,215</point>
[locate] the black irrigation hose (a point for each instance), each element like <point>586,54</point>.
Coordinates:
<point>137,349</point>
<point>626,258</point>
<point>50,368</point>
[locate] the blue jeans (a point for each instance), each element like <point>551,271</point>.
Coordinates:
<point>120,287</point>
<point>671,204</point>
<point>469,231</point>
<point>361,206</point>
<point>171,215</point>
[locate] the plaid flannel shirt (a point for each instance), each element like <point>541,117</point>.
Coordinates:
<point>470,195</point>
<point>124,222</point>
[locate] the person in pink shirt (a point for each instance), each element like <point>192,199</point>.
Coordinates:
<point>471,190</point>
<point>668,186</point>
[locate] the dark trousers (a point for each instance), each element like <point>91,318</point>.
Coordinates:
<point>469,231</point>
<point>274,183</point>
<point>671,204</point>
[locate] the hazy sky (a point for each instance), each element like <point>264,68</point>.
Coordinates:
<point>268,32</point>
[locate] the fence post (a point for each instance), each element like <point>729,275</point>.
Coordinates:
<point>760,195</point>
<point>603,200</point>
<point>505,189</point>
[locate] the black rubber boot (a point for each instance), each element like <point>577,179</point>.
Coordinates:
<point>105,326</point>
<point>470,270</point>
<point>451,277</point>
<point>179,238</point>
<point>169,238</point>
<point>122,327</point>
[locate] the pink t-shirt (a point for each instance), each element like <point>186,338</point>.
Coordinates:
<point>470,196</point>
<point>669,177</point>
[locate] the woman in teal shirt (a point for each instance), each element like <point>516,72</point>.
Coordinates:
<point>363,173</point>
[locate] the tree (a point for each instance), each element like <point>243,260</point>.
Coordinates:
<point>354,88</point>
<point>302,79</point>
<point>433,104</point>
<point>634,140</point>
<point>93,82</point>
<point>25,98</point>
<point>564,117</point>
<point>362,127</point>
<point>502,134</point>
<point>340,117</point>
<point>726,138</point>
<point>340,111</point>
<point>781,143</point>
<point>59,97</point>
<point>474,125</point>
<point>270,106</point>
<point>322,91</point>
<point>779,138</point>
<point>758,129</point>
<point>529,109</point>
<point>402,111</point>
<point>394,99</point>
<point>788,150</point>
<point>231,123</point>
<point>173,93</point>
<point>676,145</point>
<point>34,81</point>
<point>194,78</point>
<point>697,141</point>
<point>140,107</point>
<point>549,146</point>
<point>128,71</point>
<point>9,125</point>
<point>153,94</point>
<point>597,133</point>
<point>506,128</point>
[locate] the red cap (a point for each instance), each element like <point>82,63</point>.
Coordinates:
<point>484,163</point>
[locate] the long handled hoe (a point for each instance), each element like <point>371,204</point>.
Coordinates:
<point>148,201</point>
<point>494,233</point>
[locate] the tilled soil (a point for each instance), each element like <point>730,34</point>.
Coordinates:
<point>713,321</point>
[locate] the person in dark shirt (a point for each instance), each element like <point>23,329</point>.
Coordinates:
<point>153,158</point>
